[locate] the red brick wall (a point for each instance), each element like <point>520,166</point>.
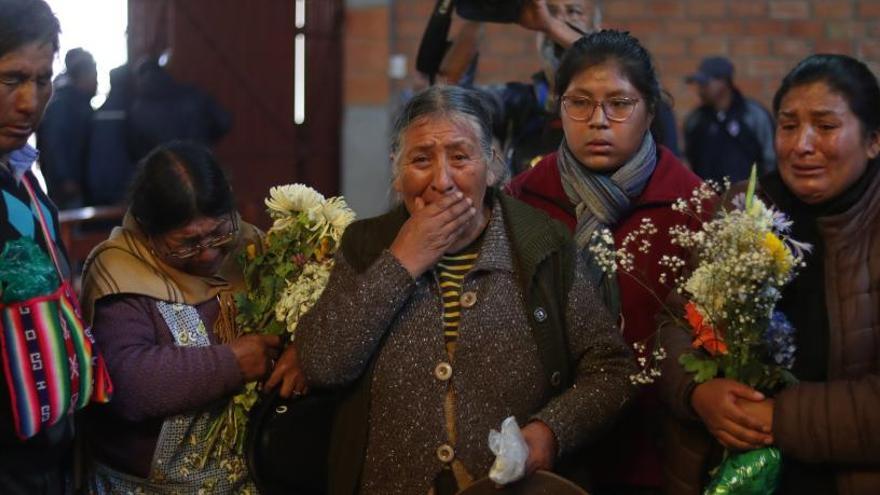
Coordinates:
<point>764,38</point>
<point>366,56</point>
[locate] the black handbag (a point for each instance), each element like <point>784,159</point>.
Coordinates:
<point>288,440</point>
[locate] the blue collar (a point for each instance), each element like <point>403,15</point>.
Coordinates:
<point>20,161</point>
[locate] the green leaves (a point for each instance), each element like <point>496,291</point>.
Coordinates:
<point>750,192</point>
<point>741,366</point>
<point>704,369</point>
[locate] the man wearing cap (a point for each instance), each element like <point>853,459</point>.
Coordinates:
<point>728,132</point>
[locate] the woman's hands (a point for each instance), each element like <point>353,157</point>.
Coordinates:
<point>542,447</point>
<point>431,230</point>
<point>761,410</point>
<point>289,374</point>
<point>255,354</point>
<point>737,415</point>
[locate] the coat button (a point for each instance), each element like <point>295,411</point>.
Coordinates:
<point>468,299</point>
<point>445,453</point>
<point>540,314</point>
<point>556,379</point>
<point>443,371</point>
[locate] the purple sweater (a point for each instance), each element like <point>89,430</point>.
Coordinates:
<point>152,378</point>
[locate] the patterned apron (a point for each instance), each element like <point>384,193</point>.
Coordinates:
<point>176,467</point>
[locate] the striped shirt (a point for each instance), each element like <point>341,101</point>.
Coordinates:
<point>452,269</point>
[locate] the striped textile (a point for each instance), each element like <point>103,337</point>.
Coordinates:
<point>48,360</point>
<point>452,270</point>
<point>49,363</point>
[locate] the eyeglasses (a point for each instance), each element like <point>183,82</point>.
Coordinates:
<point>617,109</point>
<point>187,252</point>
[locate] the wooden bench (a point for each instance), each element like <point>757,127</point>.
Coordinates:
<point>83,228</point>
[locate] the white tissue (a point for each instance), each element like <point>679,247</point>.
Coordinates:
<point>510,451</point>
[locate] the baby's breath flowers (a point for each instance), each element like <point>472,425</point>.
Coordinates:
<point>616,260</point>
<point>741,259</point>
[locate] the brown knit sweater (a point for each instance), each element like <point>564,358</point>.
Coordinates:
<point>497,371</point>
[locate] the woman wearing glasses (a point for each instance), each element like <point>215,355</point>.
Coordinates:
<point>610,173</point>
<point>153,293</point>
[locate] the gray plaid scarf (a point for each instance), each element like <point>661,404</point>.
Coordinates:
<point>601,201</point>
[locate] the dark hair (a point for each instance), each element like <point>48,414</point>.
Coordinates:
<point>176,183</point>
<point>452,102</point>
<point>26,21</point>
<point>612,45</point>
<point>78,62</point>
<point>846,76</point>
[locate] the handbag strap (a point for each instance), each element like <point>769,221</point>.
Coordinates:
<point>44,225</point>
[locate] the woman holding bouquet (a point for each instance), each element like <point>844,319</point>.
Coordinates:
<point>153,293</point>
<point>457,309</point>
<point>828,183</point>
<point>610,174</point>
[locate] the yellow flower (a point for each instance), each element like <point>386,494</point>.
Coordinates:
<point>251,251</point>
<point>323,249</point>
<point>781,255</point>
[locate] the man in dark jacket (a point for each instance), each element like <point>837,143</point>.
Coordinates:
<point>728,132</point>
<point>110,164</point>
<point>63,137</point>
<point>39,465</point>
<point>164,110</point>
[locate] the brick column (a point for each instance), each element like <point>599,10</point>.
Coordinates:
<point>366,170</point>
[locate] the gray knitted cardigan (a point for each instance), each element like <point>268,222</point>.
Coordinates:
<point>379,328</point>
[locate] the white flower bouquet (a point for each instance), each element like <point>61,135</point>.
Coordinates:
<point>284,278</point>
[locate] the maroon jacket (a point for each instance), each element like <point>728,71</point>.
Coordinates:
<point>630,454</point>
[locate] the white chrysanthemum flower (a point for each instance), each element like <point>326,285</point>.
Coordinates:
<point>338,216</point>
<point>283,223</point>
<point>302,293</point>
<point>291,199</point>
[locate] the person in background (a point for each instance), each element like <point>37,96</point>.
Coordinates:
<point>828,184</point>
<point>457,309</point>
<point>153,293</point>
<point>110,164</point>
<point>163,110</point>
<point>529,120</point>
<point>29,42</point>
<point>531,125</point>
<point>63,136</point>
<point>609,173</point>
<point>728,132</point>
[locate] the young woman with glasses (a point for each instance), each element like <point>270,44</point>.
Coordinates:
<point>154,292</point>
<point>610,174</point>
